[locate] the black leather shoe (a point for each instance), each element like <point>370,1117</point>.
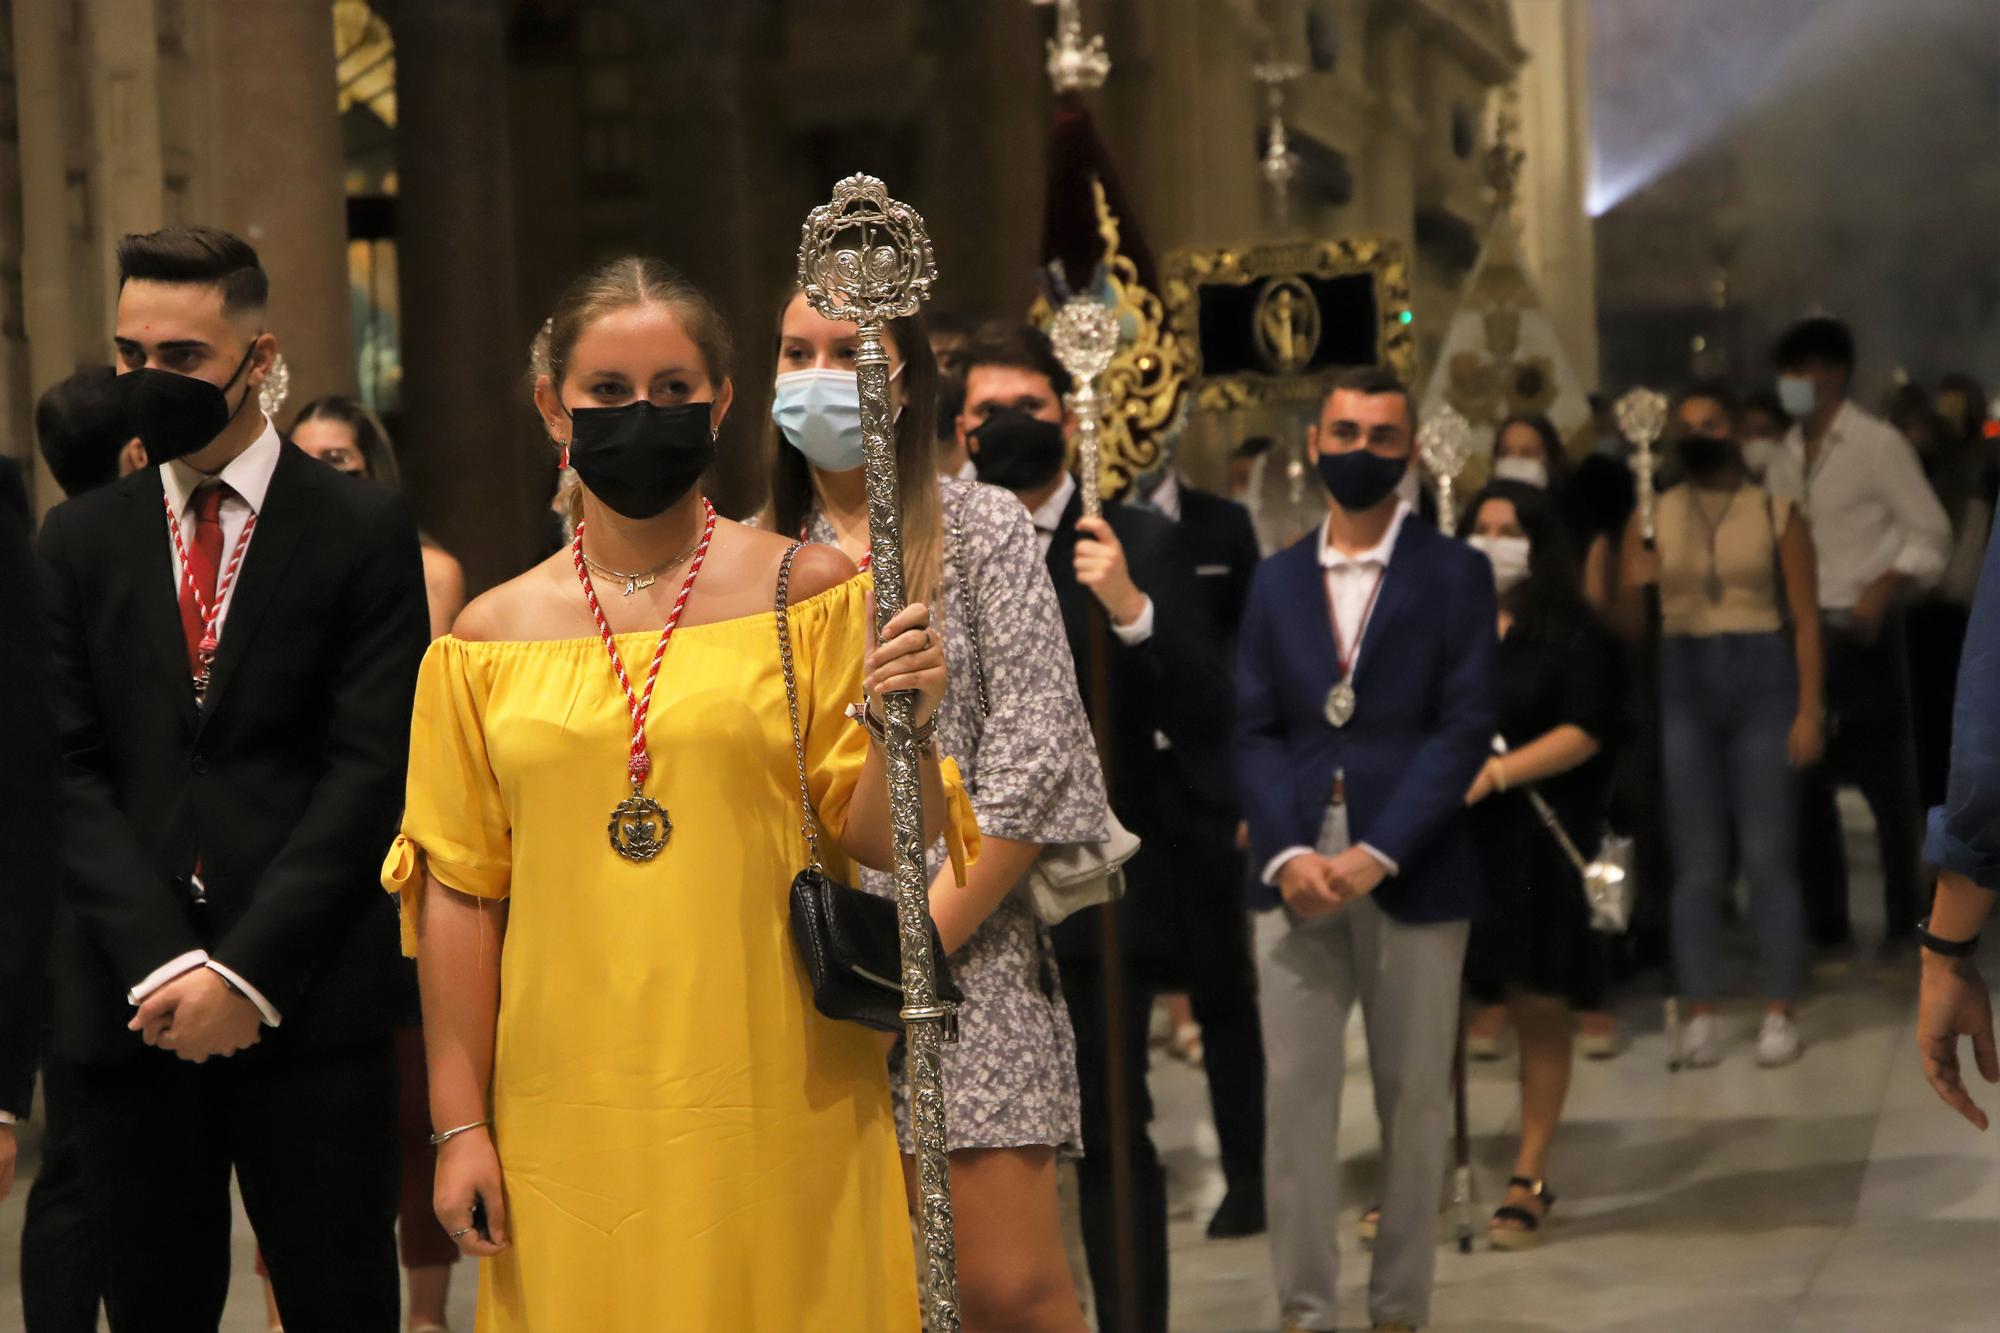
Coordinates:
<point>1241,1214</point>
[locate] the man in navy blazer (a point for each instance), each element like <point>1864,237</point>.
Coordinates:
<point>1365,708</point>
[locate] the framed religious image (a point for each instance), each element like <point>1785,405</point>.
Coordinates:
<point>1274,323</point>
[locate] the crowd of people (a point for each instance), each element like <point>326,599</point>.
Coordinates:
<point>1365,768</point>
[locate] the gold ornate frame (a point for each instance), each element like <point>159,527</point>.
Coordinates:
<point>1184,273</point>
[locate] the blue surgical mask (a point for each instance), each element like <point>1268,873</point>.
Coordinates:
<point>820,413</point>
<point>1795,392</point>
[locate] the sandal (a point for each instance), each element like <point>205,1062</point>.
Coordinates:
<point>1513,1227</point>
<point>1369,1224</point>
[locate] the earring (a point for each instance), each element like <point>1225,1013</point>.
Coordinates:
<point>565,456</point>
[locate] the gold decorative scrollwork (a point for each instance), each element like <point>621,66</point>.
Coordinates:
<point>1142,389</point>
<point>1185,272</point>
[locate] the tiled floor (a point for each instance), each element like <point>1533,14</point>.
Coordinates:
<point>1835,1195</point>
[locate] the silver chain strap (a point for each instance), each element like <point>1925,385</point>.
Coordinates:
<point>964,573</point>
<point>809,824</point>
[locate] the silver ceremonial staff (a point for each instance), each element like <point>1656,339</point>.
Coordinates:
<point>1444,443</point>
<point>866,258</point>
<point>1642,418</point>
<point>1085,338</point>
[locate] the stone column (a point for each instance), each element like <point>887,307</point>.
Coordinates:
<point>276,168</point>
<point>1557,233</point>
<point>469,443</point>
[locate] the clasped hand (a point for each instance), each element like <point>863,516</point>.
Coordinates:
<point>908,656</point>
<point>196,1016</point>
<point>1101,567</point>
<point>1315,886</point>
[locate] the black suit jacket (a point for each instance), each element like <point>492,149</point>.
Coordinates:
<point>1175,684</point>
<point>30,868</point>
<point>286,785</point>
<point>1222,543</point>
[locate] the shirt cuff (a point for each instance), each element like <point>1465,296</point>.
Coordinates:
<point>164,973</point>
<point>1140,630</point>
<point>1277,863</point>
<point>271,1016</point>
<point>1923,565</point>
<point>7,1118</point>
<point>1376,852</point>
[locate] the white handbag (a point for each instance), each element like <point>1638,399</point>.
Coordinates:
<point>1068,876</point>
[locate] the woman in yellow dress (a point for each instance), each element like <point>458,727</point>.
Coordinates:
<point>646,1124</point>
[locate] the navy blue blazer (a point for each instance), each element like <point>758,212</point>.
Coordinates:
<point>1424,720</point>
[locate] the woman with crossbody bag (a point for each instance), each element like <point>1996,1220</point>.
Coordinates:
<point>1532,946</point>
<point>1010,1080</point>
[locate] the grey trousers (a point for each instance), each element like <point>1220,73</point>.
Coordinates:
<point>1407,980</point>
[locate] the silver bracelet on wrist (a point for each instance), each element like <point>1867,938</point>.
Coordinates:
<point>439,1140</point>
<point>878,727</point>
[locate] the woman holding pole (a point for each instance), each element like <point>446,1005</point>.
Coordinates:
<point>642,1121</point>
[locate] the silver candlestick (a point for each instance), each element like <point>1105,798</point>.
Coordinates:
<point>1444,443</point>
<point>1642,419</point>
<point>866,258</point>
<point>1085,338</point>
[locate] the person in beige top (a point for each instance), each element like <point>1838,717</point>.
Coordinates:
<point>1739,711</point>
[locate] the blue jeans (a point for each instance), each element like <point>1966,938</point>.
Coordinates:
<point>1726,707</point>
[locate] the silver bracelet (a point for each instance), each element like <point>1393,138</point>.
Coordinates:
<point>439,1140</point>
<point>878,728</point>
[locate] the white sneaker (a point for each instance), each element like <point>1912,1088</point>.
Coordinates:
<point>1777,1040</point>
<point>1701,1044</point>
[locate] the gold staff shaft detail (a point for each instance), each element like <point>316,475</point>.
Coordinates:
<point>866,257</point>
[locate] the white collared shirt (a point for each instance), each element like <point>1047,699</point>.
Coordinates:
<point>1047,517</point>
<point>1871,509</point>
<point>1166,497</point>
<point>248,476</point>
<point>1352,582</point>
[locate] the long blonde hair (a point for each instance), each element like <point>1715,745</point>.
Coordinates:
<point>921,516</point>
<point>619,284</point>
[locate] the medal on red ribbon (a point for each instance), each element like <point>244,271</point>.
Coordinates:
<point>210,613</point>
<point>639,826</point>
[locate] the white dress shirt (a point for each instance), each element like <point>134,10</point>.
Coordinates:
<point>1870,506</point>
<point>1047,517</point>
<point>248,476</point>
<point>1352,582</point>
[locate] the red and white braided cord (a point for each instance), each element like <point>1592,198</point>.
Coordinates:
<point>210,615</point>
<point>639,764</point>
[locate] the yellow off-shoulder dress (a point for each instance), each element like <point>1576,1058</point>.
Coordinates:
<point>686,1142</point>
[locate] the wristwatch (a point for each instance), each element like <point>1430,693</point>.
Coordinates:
<point>1942,947</point>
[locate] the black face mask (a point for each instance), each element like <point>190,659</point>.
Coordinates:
<point>1018,452</point>
<point>1703,454</point>
<point>639,459</point>
<point>177,415</point>
<point>1360,480</point>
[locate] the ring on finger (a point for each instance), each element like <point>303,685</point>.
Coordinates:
<point>462,1231</point>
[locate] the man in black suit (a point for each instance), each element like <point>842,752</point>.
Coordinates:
<point>225,966</point>
<point>1159,699</point>
<point>1203,892</point>
<point>29,864</point>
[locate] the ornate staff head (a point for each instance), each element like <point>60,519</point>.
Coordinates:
<point>1642,418</point>
<point>1085,336</point>
<point>277,386</point>
<point>866,258</point>
<point>1075,64</point>
<point>1444,443</point>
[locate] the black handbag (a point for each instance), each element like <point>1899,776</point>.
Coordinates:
<point>848,939</point>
